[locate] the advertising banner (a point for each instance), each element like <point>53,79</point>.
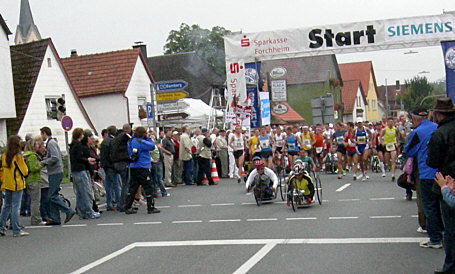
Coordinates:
<point>279,93</point>
<point>236,83</point>
<point>265,108</point>
<point>341,38</point>
<point>252,71</point>
<point>448,50</point>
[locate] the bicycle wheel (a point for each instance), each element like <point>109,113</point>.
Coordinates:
<point>291,197</point>
<point>258,196</point>
<point>318,187</point>
<point>283,185</point>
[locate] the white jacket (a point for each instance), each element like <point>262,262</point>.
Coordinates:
<point>268,172</point>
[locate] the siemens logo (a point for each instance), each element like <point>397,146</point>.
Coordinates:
<point>417,29</point>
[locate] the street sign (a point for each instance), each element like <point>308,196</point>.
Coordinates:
<point>67,123</point>
<point>171,96</point>
<point>168,107</point>
<point>172,116</point>
<point>171,85</point>
<point>149,108</point>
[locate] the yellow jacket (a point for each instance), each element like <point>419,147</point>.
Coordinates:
<point>13,180</point>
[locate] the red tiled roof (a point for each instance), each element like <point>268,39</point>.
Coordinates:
<point>349,94</point>
<point>358,71</point>
<point>290,116</point>
<point>103,73</point>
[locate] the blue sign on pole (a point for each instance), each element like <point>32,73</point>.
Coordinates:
<point>149,110</point>
<point>448,48</point>
<point>171,85</point>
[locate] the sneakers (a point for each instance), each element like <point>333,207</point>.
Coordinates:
<point>409,198</point>
<point>69,216</point>
<point>421,230</point>
<point>21,234</point>
<point>288,203</point>
<point>383,174</point>
<point>344,172</point>
<point>360,176</point>
<point>429,244</point>
<point>393,178</point>
<point>95,215</point>
<point>367,177</point>
<point>153,210</point>
<point>364,179</point>
<point>340,176</point>
<point>354,177</point>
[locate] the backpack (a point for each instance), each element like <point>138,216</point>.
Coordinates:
<point>119,149</point>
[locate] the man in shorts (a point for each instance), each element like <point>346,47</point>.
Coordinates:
<point>338,141</point>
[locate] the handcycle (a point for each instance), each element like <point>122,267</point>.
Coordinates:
<point>261,189</point>
<point>297,196</point>
<point>375,164</point>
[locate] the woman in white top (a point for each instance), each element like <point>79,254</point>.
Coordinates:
<point>237,143</point>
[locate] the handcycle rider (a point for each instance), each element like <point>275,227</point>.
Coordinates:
<point>302,181</point>
<point>261,172</point>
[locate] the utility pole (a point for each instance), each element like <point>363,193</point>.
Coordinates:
<point>386,100</point>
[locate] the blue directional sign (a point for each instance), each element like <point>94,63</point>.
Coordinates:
<point>171,85</point>
<point>149,109</point>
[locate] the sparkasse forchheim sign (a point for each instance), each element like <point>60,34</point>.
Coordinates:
<point>398,33</point>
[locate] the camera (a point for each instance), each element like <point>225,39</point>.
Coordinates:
<point>134,155</point>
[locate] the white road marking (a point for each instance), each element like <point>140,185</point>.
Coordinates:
<point>255,259</point>
<point>382,199</point>
<point>302,218</point>
<point>343,218</point>
<point>348,200</point>
<point>384,217</point>
<point>223,221</point>
<point>249,193</point>
<point>226,204</point>
<point>187,222</point>
<point>162,206</point>
<point>110,224</point>
<point>414,216</point>
<point>148,223</point>
<point>78,225</point>
<point>38,226</point>
<point>189,205</point>
<point>248,203</point>
<point>343,187</point>
<point>260,220</point>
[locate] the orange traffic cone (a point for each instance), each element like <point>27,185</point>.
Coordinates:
<point>243,173</point>
<point>205,181</point>
<point>214,172</point>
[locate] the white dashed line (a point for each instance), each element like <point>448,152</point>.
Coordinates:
<point>189,205</point>
<point>110,224</point>
<point>260,220</point>
<point>302,218</point>
<point>148,223</point>
<point>224,221</point>
<point>38,226</point>
<point>227,204</point>
<point>248,203</point>
<point>414,216</point>
<point>343,218</point>
<point>187,222</point>
<point>78,225</point>
<point>348,200</point>
<point>162,206</point>
<point>382,199</point>
<point>384,217</point>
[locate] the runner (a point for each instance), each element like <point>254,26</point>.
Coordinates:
<point>362,148</point>
<point>307,140</point>
<point>379,148</point>
<point>349,143</point>
<point>319,147</point>
<point>338,141</point>
<point>292,143</point>
<point>280,139</point>
<point>253,144</point>
<point>237,143</point>
<point>266,143</point>
<point>390,134</point>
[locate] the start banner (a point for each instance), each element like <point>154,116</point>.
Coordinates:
<point>341,38</point>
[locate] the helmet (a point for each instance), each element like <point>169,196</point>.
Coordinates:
<point>298,168</point>
<point>257,162</point>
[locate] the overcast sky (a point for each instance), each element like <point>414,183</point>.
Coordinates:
<point>93,26</point>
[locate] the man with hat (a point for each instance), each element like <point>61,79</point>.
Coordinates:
<point>441,155</point>
<point>423,176</point>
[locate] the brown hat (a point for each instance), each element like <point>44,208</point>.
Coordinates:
<point>444,105</point>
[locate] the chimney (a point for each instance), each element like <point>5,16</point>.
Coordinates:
<point>143,47</point>
<point>73,53</point>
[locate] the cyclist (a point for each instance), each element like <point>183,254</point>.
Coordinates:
<point>338,141</point>
<point>292,143</point>
<point>303,182</point>
<point>306,160</point>
<point>261,172</point>
<point>390,134</point>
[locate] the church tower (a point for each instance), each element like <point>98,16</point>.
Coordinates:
<point>26,31</point>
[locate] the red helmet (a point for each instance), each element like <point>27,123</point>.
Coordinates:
<point>257,162</point>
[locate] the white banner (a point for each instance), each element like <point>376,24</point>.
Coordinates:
<point>236,83</point>
<point>341,38</point>
<point>265,108</point>
<point>279,93</point>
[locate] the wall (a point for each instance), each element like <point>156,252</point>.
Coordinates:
<point>106,110</point>
<point>372,114</point>
<point>51,82</point>
<point>7,103</point>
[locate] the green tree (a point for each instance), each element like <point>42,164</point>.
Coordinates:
<point>208,44</point>
<point>417,89</point>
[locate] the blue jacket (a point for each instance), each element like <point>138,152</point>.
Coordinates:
<point>417,147</point>
<point>144,146</point>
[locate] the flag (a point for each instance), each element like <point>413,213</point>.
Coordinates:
<point>448,50</point>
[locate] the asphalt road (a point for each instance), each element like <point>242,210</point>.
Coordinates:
<point>367,227</point>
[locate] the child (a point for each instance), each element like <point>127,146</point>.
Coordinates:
<point>447,185</point>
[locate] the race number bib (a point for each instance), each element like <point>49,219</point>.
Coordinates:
<point>339,140</point>
<point>361,139</point>
<point>238,144</point>
<point>265,143</point>
<point>291,146</point>
<point>318,150</point>
<point>279,143</point>
<point>390,147</point>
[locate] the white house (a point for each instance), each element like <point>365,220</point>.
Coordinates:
<point>7,106</point>
<point>114,87</point>
<point>39,80</point>
<point>354,101</point>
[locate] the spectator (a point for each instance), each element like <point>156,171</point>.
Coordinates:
<point>185,155</point>
<point>44,185</point>
<point>90,151</point>
<point>177,167</point>
<point>424,175</point>
<point>157,159</point>
<point>204,159</point>
<point>441,156</point>
<point>33,179</point>
<point>54,164</point>
<point>139,150</point>
<point>167,146</point>
<point>222,152</point>
<point>14,171</point>
<point>195,152</point>
<point>112,182</point>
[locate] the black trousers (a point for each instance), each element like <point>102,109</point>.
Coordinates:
<point>204,168</point>
<point>140,177</point>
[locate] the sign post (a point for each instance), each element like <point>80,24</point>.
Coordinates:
<point>67,125</point>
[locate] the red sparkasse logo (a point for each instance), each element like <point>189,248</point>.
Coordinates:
<point>245,42</point>
<point>235,68</point>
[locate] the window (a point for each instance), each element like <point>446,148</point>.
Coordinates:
<point>358,101</point>
<point>373,104</point>
<point>141,102</point>
<point>368,104</point>
<point>49,62</point>
<point>51,110</point>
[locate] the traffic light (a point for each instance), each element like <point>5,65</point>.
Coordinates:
<point>397,85</point>
<point>61,108</point>
<point>53,113</point>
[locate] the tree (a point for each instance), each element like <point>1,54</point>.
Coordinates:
<point>208,44</point>
<point>417,89</point>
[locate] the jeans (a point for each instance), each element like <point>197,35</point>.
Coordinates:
<point>55,203</point>
<point>157,179</point>
<point>112,186</point>
<point>188,171</point>
<point>448,217</point>
<point>204,168</point>
<point>25,204</point>
<point>83,189</point>
<point>195,167</point>
<point>124,183</point>
<point>11,205</point>
<point>44,203</point>
<point>432,211</point>
<point>35,196</point>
